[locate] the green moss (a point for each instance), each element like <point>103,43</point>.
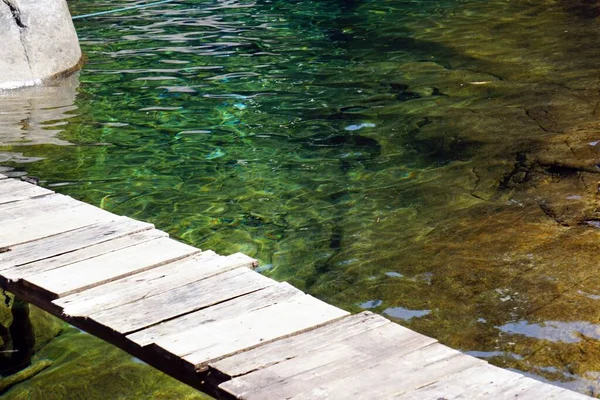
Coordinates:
<point>84,367</point>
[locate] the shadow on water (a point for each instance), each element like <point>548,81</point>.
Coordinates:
<point>584,9</point>
<point>351,150</point>
<point>18,340</point>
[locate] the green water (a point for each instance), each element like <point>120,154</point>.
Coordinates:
<point>434,161</point>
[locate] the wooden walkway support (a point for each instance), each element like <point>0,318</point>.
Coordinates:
<point>215,324</point>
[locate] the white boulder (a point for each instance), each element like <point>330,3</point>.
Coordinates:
<point>38,42</point>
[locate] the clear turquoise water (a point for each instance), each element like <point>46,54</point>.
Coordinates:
<point>358,149</point>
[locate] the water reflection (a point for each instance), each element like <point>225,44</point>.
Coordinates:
<point>36,115</point>
<point>405,313</point>
<point>554,331</point>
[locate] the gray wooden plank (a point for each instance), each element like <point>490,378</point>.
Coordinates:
<point>324,364</point>
<point>229,309</point>
<point>531,389</point>
<point>108,267</point>
<point>35,206</point>
<point>151,283</point>
<point>67,244</point>
<point>253,330</point>
<point>151,310</point>
<point>388,377</point>
<point>472,383</point>
<point>25,230</point>
<point>86,253</point>
<point>15,190</point>
<point>208,343</point>
<point>146,284</point>
<point>295,346</point>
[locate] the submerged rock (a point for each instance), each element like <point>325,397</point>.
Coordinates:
<point>27,373</point>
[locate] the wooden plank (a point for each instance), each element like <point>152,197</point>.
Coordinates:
<point>40,226</point>
<point>151,283</point>
<point>219,312</point>
<point>148,311</point>
<point>87,253</point>
<point>68,244</point>
<point>15,190</point>
<point>476,382</point>
<point>296,346</point>
<point>108,267</point>
<point>272,339</point>
<point>207,343</point>
<point>530,389</point>
<point>391,376</point>
<point>32,207</point>
<point>323,364</point>
<point>138,286</point>
<point>119,271</point>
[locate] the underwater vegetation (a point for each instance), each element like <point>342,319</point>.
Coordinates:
<point>43,358</point>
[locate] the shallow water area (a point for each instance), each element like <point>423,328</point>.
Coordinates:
<point>436,162</point>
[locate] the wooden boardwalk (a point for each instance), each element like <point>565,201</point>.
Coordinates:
<point>215,324</point>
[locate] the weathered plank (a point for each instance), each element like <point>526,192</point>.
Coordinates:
<point>142,285</point>
<point>22,230</point>
<point>219,312</point>
<point>108,267</point>
<point>68,244</point>
<point>207,343</point>
<point>151,283</point>
<point>530,389</point>
<point>14,190</point>
<point>32,207</point>
<point>387,377</point>
<point>472,383</point>
<point>86,253</point>
<point>151,310</point>
<point>295,346</point>
<point>201,311</point>
<point>323,364</point>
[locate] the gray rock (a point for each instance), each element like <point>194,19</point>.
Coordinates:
<point>39,42</point>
